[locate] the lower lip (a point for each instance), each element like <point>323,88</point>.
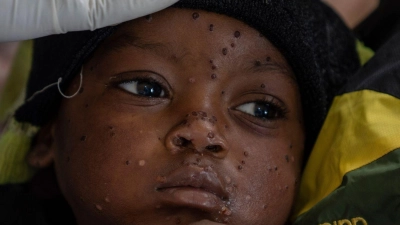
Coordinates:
<point>191,197</point>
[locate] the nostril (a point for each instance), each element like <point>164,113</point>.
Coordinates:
<point>180,141</point>
<point>214,148</point>
<point>177,141</point>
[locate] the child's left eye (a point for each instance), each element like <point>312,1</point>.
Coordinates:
<point>144,88</point>
<point>262,110</point>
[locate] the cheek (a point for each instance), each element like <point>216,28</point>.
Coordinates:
<point>269,173</point>
<point>103,159</point>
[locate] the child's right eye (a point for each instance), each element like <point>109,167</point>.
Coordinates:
<point>143,87</point>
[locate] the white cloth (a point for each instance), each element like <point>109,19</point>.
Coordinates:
<point>27,19</point>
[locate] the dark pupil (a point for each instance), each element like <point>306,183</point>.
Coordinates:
<point>265,111</point>
<point>149,89</point>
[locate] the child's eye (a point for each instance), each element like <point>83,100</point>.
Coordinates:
<point>146,88</point>
<point>262,110</point>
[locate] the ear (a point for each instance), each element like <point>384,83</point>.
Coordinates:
<point>42,150</point>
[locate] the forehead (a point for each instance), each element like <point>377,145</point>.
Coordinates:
<point>188,37</point>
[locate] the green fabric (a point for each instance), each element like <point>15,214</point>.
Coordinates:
<point>371,192</point>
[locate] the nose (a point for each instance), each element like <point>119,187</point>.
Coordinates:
<point>199,133</point>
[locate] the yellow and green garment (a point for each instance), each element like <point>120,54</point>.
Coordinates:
<point>353,174</point>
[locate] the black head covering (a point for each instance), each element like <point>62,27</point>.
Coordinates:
<point>316,43</point>
<point>380,25</point>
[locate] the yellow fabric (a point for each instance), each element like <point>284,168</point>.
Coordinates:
<point>364,52</point>
<point>354,134</point>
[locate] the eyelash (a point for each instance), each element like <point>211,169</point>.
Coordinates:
<point>121,79</point>
<point>273,102</point>
<point>282,111</point>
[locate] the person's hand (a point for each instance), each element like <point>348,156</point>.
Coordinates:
<point>27,19</point>
<point>353,12</point>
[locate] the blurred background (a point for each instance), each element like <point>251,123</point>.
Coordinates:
<point>7,53</point>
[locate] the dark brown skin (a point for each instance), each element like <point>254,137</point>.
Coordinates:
<point>193,153</point>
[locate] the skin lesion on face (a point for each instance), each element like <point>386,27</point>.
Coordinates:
<point>198,138</point>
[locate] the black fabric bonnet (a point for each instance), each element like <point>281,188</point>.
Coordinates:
<point>318,46</point>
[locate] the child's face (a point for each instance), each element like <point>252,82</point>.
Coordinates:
<point>183,116</point>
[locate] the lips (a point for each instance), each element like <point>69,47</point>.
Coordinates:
<point>193,186</point>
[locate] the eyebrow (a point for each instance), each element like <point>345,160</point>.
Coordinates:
<point>128,40</point>
<point>256,66</point>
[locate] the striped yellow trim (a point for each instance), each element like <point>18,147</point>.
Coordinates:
<point>360,127</point>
